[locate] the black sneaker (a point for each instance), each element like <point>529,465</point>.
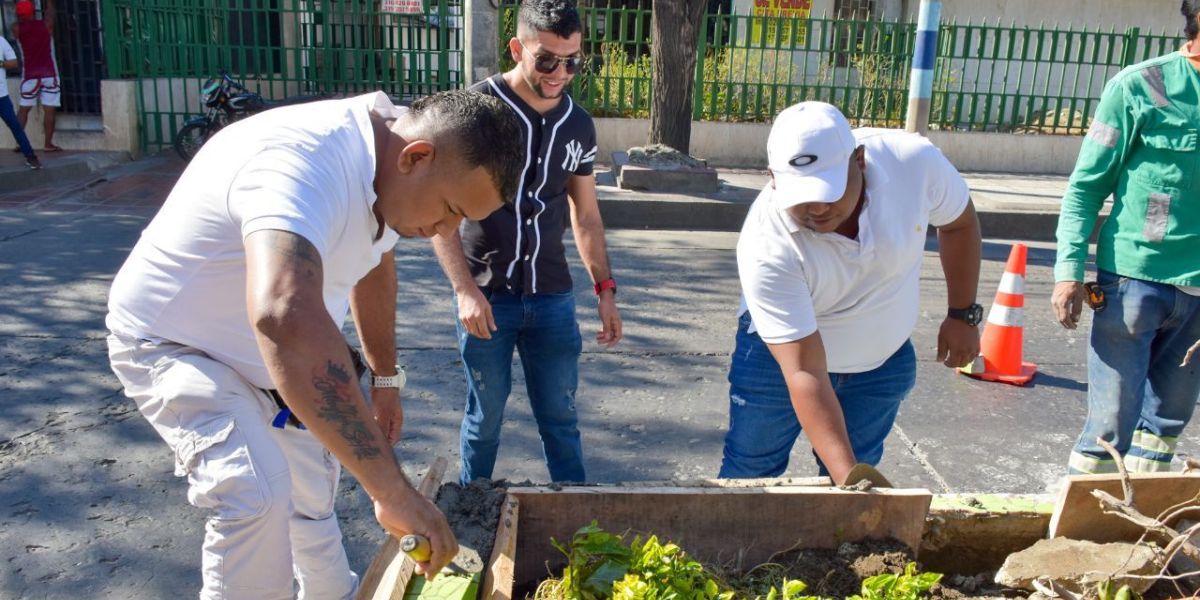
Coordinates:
<point>33,163</point>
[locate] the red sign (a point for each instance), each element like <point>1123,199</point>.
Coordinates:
<point>404,7</point>
<point>803,6</point>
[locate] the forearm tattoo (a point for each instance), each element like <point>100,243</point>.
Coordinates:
<point>337,408</point>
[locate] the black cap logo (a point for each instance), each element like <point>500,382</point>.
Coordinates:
<point>803,160</point>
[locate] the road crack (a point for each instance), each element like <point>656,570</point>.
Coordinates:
<point>19,235</point>
<point>923,460</point>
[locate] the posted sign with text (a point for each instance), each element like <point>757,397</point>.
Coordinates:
<point>403,7</point>
<point>786,23</point>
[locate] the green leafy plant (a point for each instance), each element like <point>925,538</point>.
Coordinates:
<point>768,581</point>
<point>600,565</point>
<point>662,571</point>
<point>617,84</point>
<point>595,559</point>
<point>1107,590</point>
<point>908,585</point>
<point>790,589</point>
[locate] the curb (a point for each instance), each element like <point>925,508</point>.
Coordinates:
<point>672,212</point>
<point>18,177</point>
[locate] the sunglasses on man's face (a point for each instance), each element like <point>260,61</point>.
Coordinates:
<point>548,63</point>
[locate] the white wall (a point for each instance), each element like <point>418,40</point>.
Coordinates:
<point>1058,85</point>
<point>116,130</point>
<point>1149,15</point>
<point>744,145</point>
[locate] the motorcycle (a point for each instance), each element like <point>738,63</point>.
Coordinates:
<point>225,101</point>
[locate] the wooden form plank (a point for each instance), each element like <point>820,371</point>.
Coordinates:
<point>715,525</point>
<point>498,580</point>
<point>391,569</point>
<point>1077,514</point>
<point>726,483</point>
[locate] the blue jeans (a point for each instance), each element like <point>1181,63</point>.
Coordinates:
<point>10,118</point>
<point>1139,398</point>
<point>543,330</point>
<point>763,425</point>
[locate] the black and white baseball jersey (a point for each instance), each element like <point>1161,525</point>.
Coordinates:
<point>519,248</point>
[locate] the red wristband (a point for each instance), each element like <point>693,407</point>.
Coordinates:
<point>607,284</point>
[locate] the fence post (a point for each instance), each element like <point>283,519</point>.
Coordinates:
<point>111,34</point>
<point>698,79</point>
<point>1129,52</point>
<point>481,42</point>
<point>920,83</point>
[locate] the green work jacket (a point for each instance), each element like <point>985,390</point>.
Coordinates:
<point>1141,148</point>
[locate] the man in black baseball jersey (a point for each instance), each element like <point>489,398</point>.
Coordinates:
<point>509,271</point>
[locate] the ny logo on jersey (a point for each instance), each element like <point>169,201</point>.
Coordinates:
<point>574,154</point>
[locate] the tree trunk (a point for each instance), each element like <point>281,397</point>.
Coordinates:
<point>676,27</point>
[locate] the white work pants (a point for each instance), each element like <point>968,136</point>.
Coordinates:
<point>270,490</point>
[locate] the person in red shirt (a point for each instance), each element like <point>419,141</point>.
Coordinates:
<point>39,77</point>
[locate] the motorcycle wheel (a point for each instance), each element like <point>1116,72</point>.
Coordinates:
<point>189,139</point>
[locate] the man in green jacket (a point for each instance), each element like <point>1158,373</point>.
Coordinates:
<point>1142,149</point>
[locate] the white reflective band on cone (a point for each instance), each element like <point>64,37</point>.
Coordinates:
<point>975,367</point>
<point>1011,283</point>
<point>1006,316</point>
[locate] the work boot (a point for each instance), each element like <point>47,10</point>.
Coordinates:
<point>32,162</point>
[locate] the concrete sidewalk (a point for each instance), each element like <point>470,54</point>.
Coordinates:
<point>56,167</point>
<point>1011,206</point>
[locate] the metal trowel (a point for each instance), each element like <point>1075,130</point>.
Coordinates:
<point>864,472</point>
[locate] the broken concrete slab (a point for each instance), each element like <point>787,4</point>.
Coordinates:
<point>1078,565</point>
<point>659,168</point>
<point>681,180</point>
<point>661,156</point>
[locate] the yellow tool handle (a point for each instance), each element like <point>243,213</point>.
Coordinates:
<point>416,546</point>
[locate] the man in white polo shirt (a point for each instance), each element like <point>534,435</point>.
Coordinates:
<point>226,318</point>
<point>829,260</point>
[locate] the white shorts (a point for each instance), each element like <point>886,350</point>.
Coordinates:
<point>45,89</point>
<point>270,491</point>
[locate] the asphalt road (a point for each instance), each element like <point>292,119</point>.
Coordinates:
<point>89,507</point>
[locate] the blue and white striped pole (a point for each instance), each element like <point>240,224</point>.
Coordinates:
<point>920,84</point>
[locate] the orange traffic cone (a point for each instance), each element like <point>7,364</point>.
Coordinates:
<point>1000,346</point>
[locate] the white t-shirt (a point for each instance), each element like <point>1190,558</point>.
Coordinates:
<point>307,169</point>
<point>861,294</point>
<point>6,54</point>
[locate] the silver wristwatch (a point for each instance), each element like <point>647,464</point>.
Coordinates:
<point>391,381</point>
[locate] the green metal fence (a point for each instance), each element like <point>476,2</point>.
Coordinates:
<point>278,48</point>
<point>617,43</point>
<point>754,67</point>
<point>1037,80</point>
<point>989,77</point>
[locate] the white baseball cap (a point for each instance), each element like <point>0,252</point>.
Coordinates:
<point>809,152</point>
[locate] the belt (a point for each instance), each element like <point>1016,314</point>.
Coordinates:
<point>285,416</point>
